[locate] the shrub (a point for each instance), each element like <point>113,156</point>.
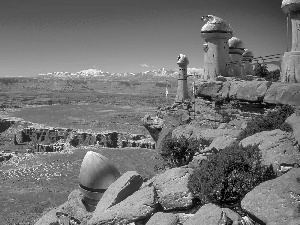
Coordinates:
<point>273,76</point>
<point>179,151</point>
<point>227,176</point>
<point>272,120</point>
<point>261,70</point>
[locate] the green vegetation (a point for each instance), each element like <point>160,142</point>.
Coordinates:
<point>179,151</point>
<point>272,120</point>
<point>227,176</point>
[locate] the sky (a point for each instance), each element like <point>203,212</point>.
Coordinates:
<point>41,36</point>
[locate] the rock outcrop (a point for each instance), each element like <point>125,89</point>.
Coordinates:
<point>252,91</point>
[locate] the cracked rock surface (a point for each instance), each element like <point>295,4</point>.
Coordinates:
<point>276,201</point>
<point>172,190</point>
<point>137,206</point>
<point>277,147</point>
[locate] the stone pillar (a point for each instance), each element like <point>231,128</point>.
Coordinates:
<point>247,59</point>
<point>236,50</point>
<point>216,33</point>
<point>291,59</point>
<point>182,89</point>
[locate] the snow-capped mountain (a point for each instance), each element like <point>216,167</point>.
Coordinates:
<point>93,73</point>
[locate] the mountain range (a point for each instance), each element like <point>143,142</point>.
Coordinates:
<point>94,73</point>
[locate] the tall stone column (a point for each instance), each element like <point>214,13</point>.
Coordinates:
<point>216,33</point>
<point>236,50</point>
<point>291,59</point>
<point>182,89</point>
<point>247,59</point>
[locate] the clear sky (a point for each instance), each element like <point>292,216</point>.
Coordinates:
<point>40,36</point>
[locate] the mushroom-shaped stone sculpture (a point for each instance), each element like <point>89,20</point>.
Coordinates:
<point>96,174</point>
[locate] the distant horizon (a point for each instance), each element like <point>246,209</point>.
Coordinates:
<point>41,36</point>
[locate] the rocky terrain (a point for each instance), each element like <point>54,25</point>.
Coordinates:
<point>42,158</point>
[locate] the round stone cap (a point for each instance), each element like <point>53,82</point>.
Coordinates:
<point>290,5</point>
<point>236,43</point>
<point>248,53</point>
<point>215,24</point>
<point>182,60</point>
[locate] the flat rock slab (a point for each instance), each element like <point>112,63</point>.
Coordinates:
<point>253,91</point>
<point>163,219</point>
<point>276,201</point>
<point>210,214</point>
<point>172,190</point>
<point>137,206</point>
<point>277,147</point>
<point>123,187</point>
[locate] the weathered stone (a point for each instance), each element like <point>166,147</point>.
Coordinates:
<point>249,91</point>
<point>294,122</point>
<point>191,131</point>
<point>73,208</point>
<point>170,123</point>
<point>277,147</point>
<point>123,187</point>
<point>172,190</point>
<point>209,89</point>
<point>283,93</point>
<point>137,206</point>
<point>210,214</point>
<point>276,201</point>
<point>219,143</point>
<point>163,219</point>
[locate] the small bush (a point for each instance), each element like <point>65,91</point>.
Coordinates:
<point>179,152</point>
<point>272,120</point>
<point>273,76</point>
<point>227,176</point>
<point>261,70</point>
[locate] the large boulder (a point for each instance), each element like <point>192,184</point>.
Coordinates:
<point>278,148</point>
<point>249,91</point>
<point>294,121</point>
<point>73,208</point>
<point>172,190</point>
<point>163,219</point>
<point>123,187</point>
<point>210,214</point>
<point>277,201</point>
<point>137,206</point>
<point>283,93</point>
